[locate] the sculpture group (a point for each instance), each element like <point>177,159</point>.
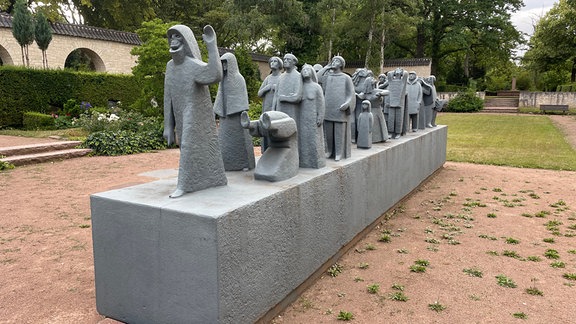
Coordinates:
<point>307,116</point>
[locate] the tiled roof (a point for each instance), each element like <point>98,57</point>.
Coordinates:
<point>395,62</point>
<point>83,31</point>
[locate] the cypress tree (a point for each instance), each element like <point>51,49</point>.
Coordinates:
<point>43,35</point>
<point>23,28</point>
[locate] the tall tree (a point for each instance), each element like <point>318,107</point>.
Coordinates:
<point>453,26</point>
<point>553,45</point>
<point>43,36</point>
<point>23,29</point>
<point>115,14</point>
<point>150,67</point>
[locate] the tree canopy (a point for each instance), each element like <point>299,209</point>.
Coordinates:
<point>552,48</point>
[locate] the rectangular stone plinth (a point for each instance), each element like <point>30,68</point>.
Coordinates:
<point>229,254</point>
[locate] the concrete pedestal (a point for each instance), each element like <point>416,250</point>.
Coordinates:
<point>229,254</point>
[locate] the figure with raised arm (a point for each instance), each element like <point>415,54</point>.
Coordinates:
<point>188,116</point>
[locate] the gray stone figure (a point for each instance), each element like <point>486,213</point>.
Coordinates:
<point>188,116</point>
<point>231,100</point>
<point>439,104</point>
<point>359,79</point>
<point>365,126</point>
<point>268,89</point>
<point>311,126</point>
<point>317,67</point>
<point>414,96</point>
<point>396,115</point>
<point>429,99</point>
<point>289,90</point>
<point>340,103</point>
<point>375,95</point>
<point>280,161</point>
<point>383,85</point>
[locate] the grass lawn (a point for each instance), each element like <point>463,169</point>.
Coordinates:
<point>70,133</point>
<point>513,140</point>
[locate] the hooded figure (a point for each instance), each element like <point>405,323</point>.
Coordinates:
<point>231,101</point>
<point>188,117</point>
<point>311,127</point>
<point>365,125</point>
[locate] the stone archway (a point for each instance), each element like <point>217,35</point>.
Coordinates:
<point>85,59</point>
<point>5,58</point>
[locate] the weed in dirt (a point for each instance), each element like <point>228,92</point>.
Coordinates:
<point>370,247</point>
<point>306,303</point>
<point>542,214</point>
<point>399,296</point>
<point>417,268</point>
<point>497,190</point>
<point>569,276</point>
<point>429,230</point>
<point>402,251</point>
<point>474,297</point>
<point>363,265</point>
<point>84,226</point>
<point>572,251</point>
<point>559,203</point>
<point>385,238</point>
<point>345,316</point>
<point>373,288</point>
<point>534,291</point>
<point>431,240</point>
<point>506,282</point>
<point>552,254</point>
<point>436,306</point>
<point>527,215</point>
<point>511,254</point>
<point>358,279</point>
<point>533,196</point>
<point>453,242</point>
<point>398,287</point>
<point>491,215</point>
<point>511,240</point>
<point>473,272</point>
<point>335,270</point>
<point>548,240</point>
<point>534,258</point>
<point>558,264</point>
<point>572,227</point>
<point>553,223</point>
<point>491,238</point>
<point>494,253</point>
<point>520,315</point>
<point>432,248</point>
<point>421,262</point>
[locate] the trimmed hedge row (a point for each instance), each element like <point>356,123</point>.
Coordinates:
<point>45,91</point>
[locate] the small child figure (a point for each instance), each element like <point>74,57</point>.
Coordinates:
<point>365,125</point>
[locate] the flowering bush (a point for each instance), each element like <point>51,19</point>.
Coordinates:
<point>120,132</point>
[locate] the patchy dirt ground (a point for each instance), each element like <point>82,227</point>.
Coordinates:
<point>467,217</point>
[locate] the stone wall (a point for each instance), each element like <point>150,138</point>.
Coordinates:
<point>535,99</point>
<point>530,99</point>
<point>108,56</point>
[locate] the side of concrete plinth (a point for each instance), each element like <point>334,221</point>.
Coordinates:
<point>229,254</point>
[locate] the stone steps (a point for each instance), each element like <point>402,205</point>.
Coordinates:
<point>500,109</point>
<point>501,102</point>
<point>39,153</point>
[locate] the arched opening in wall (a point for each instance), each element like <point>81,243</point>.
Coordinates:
<point>84,59</point>
<point>5,58</point>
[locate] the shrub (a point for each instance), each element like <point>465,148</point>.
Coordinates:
<point>36,120</point>
<point>124,142</point>
<point>5,165</point>
<point>465,102</point>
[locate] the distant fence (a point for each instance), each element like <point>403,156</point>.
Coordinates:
<point>530,99</point>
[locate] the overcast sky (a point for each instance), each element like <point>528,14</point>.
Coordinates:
<point>530,13</point>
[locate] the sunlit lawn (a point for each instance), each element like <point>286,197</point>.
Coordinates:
<point>70,133</point>
<point>513,140</point>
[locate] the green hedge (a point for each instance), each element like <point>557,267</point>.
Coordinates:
<point>35,120</point>
<point>46,91</point>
